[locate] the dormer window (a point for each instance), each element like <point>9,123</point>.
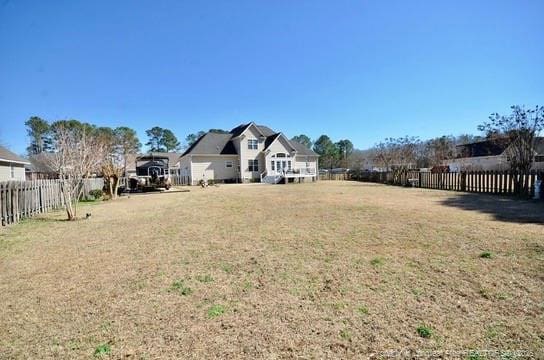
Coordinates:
<point>252,144</point>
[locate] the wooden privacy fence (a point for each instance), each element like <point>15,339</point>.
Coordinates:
<point>332,176</point>
<point>23,199</point>
<point>177,180</point>
<point>489,182</point>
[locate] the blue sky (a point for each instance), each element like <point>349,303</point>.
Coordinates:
<point>351,69</point>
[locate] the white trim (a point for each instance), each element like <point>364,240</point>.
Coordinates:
<point>212,155</point>
<point>294,151</point>
<point>248,126</point>
<point>15,161</point>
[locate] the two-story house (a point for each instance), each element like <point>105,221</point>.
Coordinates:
<point>248,153</point>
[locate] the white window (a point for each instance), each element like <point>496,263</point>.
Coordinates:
<point>12,170</point>
<point>252,144</point>
<point>289,165</point>
<point>272,163</point>
<point>228,163</point>
<point>253,165</point>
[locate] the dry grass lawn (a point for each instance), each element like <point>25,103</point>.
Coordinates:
<point>323,270</point>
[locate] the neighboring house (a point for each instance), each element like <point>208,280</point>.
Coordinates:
<point>491,155</point>
<point>12,166</point>
<point>249,153</point>
<point>173,162</point>
<point>40,167</point>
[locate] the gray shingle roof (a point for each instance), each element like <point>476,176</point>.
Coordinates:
<point>539,145</point>
<point>266,130</point>
<point>6,155</point>
<point>494,147</point>
<point>221,144</point>
<point>239,129</point>
<point>212,144</point>
<point>302,150</point>
<point>270,139</point>
<point>173,158</point>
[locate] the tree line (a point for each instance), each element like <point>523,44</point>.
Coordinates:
<point>41,136</point>
<point>75,151</point>
<point>518,131</point>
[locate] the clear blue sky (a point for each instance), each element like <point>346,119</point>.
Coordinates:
<point>351,69</point>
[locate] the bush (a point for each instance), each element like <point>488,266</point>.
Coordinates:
<point>215,311</point>
<point>95,194</point>
<point>424,331</point>
<point>180,287</point>
<point>102,349</point>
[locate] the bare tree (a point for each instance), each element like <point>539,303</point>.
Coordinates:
<point>383,154</point>
<point>397,154</point>
<point>439,149</point>
<point>77,154</point>
<point>520,129</point>
<point>111,164</point>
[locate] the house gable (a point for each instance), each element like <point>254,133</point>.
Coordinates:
<point>241,131</point>
<point>279,143</point>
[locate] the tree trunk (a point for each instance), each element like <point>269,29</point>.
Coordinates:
<point>110,187</point>
<point>71,211</point>
<point>116,187</point>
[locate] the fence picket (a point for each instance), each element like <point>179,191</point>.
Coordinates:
<point>489,182</point>
<point>23,199</point>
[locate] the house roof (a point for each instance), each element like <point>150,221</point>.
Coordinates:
<point>222,144</point>
<point>483,148</point>
<point>41,163</point>
<point>8,156</point>
<point>265,130</point>
<point>302,149</point>
<point>173,158</point>
<point>494,147</point>
<point>539,145</point>
<point>270,139</point>
<point>212,144</point>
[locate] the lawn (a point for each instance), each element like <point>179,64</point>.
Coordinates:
<point>322,270</point>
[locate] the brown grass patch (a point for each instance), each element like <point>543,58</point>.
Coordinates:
<point>331,269</point>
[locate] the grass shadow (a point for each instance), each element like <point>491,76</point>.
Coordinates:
<point>501,208</point>
<point>45,220</point>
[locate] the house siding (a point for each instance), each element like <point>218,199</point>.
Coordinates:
<point>485,163</point>
<point>184,165</point>
<point>212,167</point>
<point>5,171</point>
<point>249,154</point>
<point>301,160</point>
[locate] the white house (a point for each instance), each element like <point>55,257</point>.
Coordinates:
<point>248,153</point>
<point>12,166</point>
<point>491,155</point>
